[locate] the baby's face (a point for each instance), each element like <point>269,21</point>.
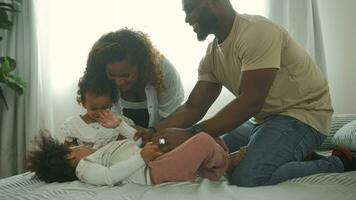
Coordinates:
<point>95,104</point>
<point>77,153</point>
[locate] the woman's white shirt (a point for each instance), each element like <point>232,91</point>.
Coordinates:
<point>161,106</point>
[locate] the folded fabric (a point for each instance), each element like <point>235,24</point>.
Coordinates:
<point>346,136</point>
<point>338,121</point>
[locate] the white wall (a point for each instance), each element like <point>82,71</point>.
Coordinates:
<point>338,26</point>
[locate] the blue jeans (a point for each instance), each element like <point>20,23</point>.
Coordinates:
<point>276,149</point>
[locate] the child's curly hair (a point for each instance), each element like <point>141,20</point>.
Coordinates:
<point>97,85</point>
<point>48,160</point>
<point>132,45</point>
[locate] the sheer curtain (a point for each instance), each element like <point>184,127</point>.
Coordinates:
<point>25,115</point>
<point>73,27</point>
<point>301,19</point>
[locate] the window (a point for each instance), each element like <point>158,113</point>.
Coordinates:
<point>68,29</point>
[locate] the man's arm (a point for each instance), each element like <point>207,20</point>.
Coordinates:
<point>254,88</point>
<point>200,99</point>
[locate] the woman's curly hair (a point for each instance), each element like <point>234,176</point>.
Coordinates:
<point>97,85</point>
<point>48,160</point>
<point>127,44</point>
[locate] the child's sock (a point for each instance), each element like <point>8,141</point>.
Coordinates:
<point>346,157</point>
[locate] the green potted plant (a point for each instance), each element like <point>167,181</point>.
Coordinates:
<point>7,64</point>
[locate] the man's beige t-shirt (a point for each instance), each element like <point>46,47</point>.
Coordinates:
<point>299,90</point>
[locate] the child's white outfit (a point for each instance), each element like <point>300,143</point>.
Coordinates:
<point>118,161</point>
<point>93,135</point>
<point>121,161</point>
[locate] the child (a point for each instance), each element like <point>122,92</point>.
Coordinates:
<point>98,126</point>
<point>123,161</point>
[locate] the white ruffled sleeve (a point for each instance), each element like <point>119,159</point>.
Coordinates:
<point>128,132</point>
<point>65,133</point>
<point>173,96</point>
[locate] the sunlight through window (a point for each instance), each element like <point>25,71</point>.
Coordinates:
<point>74,26</point>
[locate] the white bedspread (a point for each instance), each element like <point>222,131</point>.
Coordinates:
<point>336,186</point>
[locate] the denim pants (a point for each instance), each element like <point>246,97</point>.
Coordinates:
<point>276,149</point>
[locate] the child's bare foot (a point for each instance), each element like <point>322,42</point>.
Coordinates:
<point>236,157</point>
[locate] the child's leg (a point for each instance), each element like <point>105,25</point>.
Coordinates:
<point>221,143</point>
<point>200,155</point>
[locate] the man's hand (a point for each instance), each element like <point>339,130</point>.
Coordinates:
<point>108,119</point>
<point>173,137</point>
<point>150,151</point>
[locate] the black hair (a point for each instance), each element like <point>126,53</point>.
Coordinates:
<point>48,160</point>
<point>97,85</point>
<point>136,47</point>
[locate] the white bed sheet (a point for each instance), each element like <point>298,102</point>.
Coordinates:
<point>335,186</point>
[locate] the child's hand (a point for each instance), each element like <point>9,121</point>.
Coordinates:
<point>108,119</point>
<point>150,151</point>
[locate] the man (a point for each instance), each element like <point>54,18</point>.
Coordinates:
<point>282,109</point>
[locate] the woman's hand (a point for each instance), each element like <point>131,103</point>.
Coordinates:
<point>144,133</point>
<point>108,119</point>
<point>150,151</point>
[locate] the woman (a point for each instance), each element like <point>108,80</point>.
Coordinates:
<point>149,87</point>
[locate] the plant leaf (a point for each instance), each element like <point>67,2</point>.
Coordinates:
<point>5,23</point>
<point>11,61</point>
<point>8,79</point>
<point>6,5</point>
<point>2,97</point>
<point>16,87</point>
<point>5,67</point>
<point>9,6</point>
<point>17,80</point>
<point>2,73</point>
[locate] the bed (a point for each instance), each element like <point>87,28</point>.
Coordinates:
<point>328,186</point>
<point>332,186</point>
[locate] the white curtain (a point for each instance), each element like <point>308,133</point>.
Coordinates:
<point>25,115</point>
<point>301,19</point>
<point>73,27</point>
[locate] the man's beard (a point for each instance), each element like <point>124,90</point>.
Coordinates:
<point>207,24</point>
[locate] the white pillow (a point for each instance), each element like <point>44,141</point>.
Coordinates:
<point>338,121</point>
<point>346,136</point>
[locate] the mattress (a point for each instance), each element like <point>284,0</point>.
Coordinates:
<point>331,186</point>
